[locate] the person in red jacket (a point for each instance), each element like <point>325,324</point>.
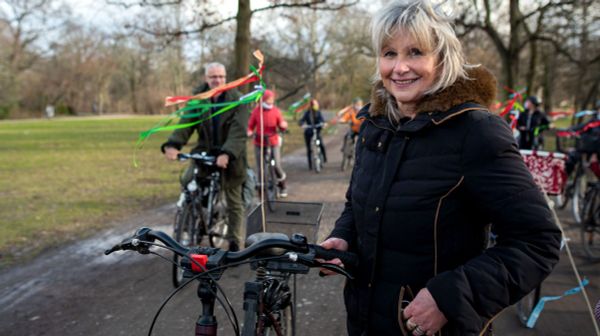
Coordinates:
<point>272,122</point>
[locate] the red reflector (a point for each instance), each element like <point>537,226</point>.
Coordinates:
<point>199,259</point>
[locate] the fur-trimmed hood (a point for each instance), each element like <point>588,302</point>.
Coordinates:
<point>480,88</point>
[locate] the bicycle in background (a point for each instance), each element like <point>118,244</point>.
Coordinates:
<point>200,209</point>
<point>269,302</point>
<point>348,150</point>
<point>316,155</point>
<point>569,142</point>
<point>590,226</point>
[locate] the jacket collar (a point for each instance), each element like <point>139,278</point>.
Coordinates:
<point>476,92</point>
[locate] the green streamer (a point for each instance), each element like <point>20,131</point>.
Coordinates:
<point>204,106</point>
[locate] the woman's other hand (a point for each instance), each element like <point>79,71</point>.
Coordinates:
<point>336,244</point>
<point>424,313</point>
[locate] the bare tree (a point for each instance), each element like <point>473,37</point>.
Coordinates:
<point>22,23</point>
<point>511,27</point>
<point>243,20</point>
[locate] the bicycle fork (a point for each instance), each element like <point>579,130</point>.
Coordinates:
<point>207,322</point>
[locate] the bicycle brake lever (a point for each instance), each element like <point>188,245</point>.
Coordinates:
<point>336,269</point>
<point>135,243</point>
<point>313,263</point>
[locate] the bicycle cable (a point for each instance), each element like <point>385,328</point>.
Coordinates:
<point>228,307</point>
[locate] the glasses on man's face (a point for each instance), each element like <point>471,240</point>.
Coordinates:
<point>216,77</point>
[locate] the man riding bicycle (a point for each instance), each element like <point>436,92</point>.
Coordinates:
<point>272,122</point>
<point>223,135</point>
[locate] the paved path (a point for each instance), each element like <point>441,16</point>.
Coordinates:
<point>76,290</point>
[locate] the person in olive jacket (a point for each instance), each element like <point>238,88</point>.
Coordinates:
<point>433,169</point>
<point>225,136</point>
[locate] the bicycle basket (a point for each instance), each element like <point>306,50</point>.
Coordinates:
<point>548,170</point>
<point>287,218</point>
<point>589,142</point>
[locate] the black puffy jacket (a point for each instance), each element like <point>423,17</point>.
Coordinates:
<point>420,201</point>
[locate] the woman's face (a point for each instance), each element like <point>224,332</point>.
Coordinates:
<point>270,100</point>
<point>406,69</point>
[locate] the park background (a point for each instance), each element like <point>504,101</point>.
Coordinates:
<point>106,67</point>
<point>69,187</point>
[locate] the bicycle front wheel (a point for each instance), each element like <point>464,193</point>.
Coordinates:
<point>317,159</point>
<point>578,200</point>
<point>184,234</point>
<point>590,227</point>
<point>285,323</point>
<point>271,185</point>
<point>526,305</point>
<point>345,150</point>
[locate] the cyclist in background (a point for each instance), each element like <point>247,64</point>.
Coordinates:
<point>529,120</point>
<point>224,136</point>
<point>589,142</point>
<point>348,115</point>
<point>272,122</point>
<point>313,118</point>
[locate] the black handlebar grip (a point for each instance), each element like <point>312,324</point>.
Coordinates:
<point>349,259</point>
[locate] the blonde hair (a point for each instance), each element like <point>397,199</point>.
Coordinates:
<point>433,32</point>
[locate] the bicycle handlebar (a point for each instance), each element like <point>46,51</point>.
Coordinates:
<point>205,159</point>
<point>312,126</point>
<point>296,249</point>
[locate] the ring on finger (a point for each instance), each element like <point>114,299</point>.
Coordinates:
<point>411,325</point>
<point>418,331</point>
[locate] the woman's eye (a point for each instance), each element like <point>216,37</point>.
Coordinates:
<point>415,52</point>
<point>389,53</point>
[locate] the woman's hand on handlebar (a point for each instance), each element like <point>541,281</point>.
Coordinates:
<point>171,153</point>
<point>337,244</point>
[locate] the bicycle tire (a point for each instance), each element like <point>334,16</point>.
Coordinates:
<point>526,305</point>
<point>271,187</point>
<point>344,154</point>
<point>578,199</point>
<point>590,229</point>
<point>286,324</point>
<point>562,199</point>
<point>217,233</point>
<point>317,163</point>
<point>184,234</point>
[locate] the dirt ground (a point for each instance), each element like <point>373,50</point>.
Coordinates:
<point>76,290</point>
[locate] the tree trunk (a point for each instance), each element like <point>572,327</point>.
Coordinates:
<point>242,38</point>
<point>548,79</point>
<point>531,71</point>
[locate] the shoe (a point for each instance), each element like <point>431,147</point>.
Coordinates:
<point>233,246</point>
<point>282,189</point>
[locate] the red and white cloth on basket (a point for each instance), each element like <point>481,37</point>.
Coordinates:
<point>548,170</point>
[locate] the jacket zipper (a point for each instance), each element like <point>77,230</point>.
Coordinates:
<point>406,139</point>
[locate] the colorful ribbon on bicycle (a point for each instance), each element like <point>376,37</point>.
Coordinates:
<point>513,101</point>
<point>300,104</point>
<point>540,305</point>
<point>570,133</point>
<point>202,105</point>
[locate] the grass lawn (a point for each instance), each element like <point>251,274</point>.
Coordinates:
<point>61,179</point>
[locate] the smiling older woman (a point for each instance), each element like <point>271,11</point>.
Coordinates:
<point>433,169</point>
